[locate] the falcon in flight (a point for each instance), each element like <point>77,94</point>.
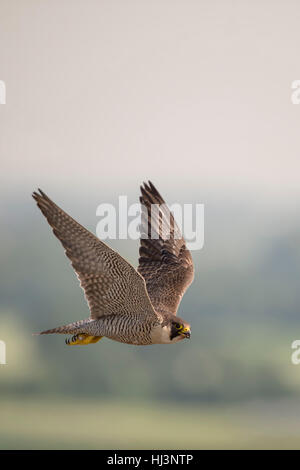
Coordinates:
<point>127,305</point>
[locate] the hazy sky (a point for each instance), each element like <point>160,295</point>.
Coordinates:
<point>197,92</point>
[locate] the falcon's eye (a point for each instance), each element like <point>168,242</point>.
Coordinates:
<point>178,326</point>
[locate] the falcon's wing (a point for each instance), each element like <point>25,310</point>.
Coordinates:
<point>111,284</point>
<point>165,263</point>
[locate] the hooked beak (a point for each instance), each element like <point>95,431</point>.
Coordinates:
<point>186,332</point>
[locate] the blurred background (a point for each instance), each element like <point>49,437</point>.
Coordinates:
<point>195,96</point>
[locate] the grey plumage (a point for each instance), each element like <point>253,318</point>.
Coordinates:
<point>165,263</point>
<point>135,307</point>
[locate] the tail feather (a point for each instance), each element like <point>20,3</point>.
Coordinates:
<point>71,328</point>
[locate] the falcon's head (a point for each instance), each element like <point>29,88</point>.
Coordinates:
<point>171,330</point>
<point>179,329</point>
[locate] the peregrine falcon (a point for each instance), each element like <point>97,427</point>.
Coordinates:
<point>127,305</point>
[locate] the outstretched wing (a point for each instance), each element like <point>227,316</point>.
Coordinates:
<point>111,285</point>
<point>165,263</point>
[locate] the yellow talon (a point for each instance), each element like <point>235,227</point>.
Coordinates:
<point>82,339</point>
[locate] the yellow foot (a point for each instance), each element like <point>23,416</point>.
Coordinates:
<point>82,339</point>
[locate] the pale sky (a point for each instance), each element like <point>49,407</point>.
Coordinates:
<point>196,93</point>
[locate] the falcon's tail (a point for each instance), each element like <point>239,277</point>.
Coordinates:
<point>71,328</point>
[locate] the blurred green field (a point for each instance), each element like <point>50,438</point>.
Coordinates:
<point>86,424</point>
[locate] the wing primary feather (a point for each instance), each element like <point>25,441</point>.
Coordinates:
<point>111,285</point>
<point>165,262</point>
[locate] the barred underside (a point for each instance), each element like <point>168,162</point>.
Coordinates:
<point>123,328</point>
